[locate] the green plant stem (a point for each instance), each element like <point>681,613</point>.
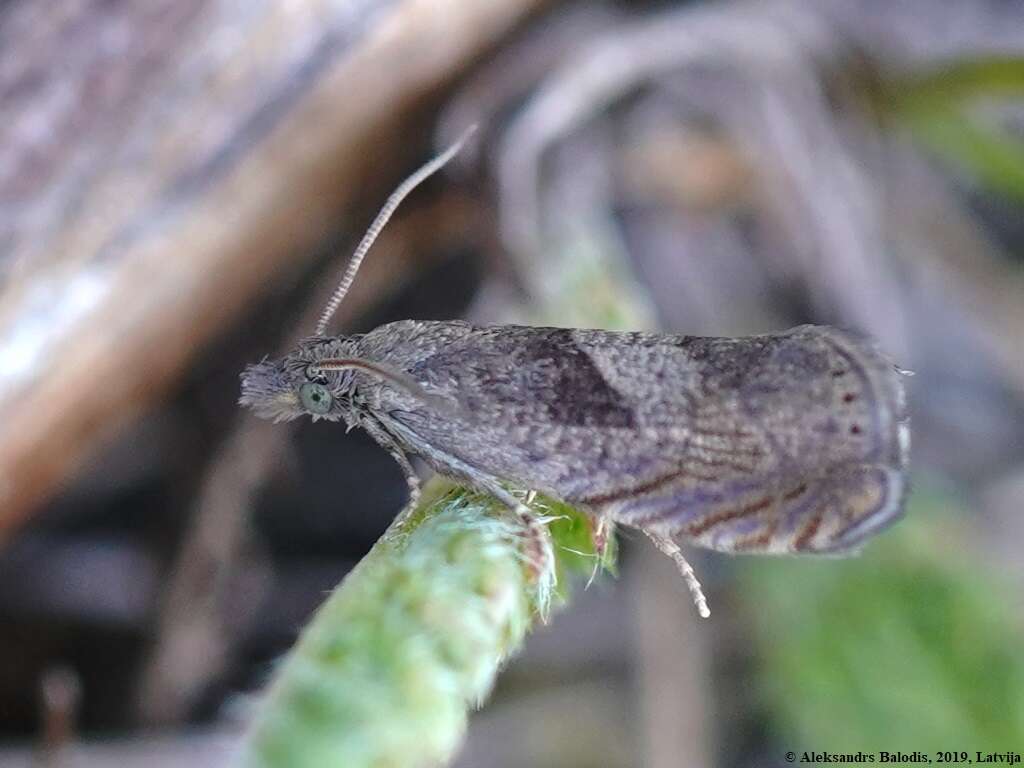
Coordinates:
<point>387,669</point>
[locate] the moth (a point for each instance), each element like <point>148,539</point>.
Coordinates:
<point>793,442</point>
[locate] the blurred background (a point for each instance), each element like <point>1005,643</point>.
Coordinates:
<point>181,182</point>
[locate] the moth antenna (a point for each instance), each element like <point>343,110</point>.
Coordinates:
<point>385,214</point>
<point>390,375</point>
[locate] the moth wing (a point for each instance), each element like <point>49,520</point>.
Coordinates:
<point>790,442</point>
<point>831,514</point>
<point>805,451</point>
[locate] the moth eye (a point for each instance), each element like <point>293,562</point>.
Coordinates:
<point>316,398</point>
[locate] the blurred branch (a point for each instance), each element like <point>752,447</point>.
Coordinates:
<point>673,660</point>
<point>766,99</point>
<point>162,164</point>
<point>386,671</point>
<point>939,107</point>
<point>61,691</point>
<point>193,637</point>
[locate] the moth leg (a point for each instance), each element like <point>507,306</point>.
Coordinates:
<point>412,480</point>
<point>602,528</point>
<point>672,549</point>
<point>540,554</point>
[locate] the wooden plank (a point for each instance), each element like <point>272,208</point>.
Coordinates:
<point>160,163</point>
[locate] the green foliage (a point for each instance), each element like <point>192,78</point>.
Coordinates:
<point>910,646</point>
<point>961,81</point>
<point>993,159</point>
<point>387,669</point>
<point>940,109</point>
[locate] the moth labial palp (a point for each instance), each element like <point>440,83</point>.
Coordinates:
<point>785,443</point>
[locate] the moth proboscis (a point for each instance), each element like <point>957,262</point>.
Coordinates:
<point>791,442</point>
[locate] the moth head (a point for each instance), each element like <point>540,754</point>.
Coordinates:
<point>319,377</point>
<point>301,383</point>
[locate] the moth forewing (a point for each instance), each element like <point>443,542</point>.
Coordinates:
<point>781,443</point>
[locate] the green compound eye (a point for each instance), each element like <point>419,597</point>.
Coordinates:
<point>316,398</point>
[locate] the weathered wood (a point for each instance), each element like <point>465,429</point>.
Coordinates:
<point>159,164</point>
